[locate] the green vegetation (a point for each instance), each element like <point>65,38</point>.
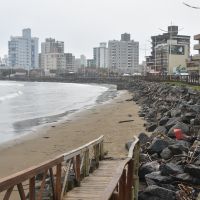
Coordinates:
<point>177,83</point>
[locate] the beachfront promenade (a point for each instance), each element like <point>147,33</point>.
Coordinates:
<point>84,173</point>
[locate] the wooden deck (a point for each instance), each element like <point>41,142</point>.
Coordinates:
<point>93,186</point>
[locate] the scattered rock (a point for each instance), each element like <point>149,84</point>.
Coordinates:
<point>148,168</point>
<point>157,146</point>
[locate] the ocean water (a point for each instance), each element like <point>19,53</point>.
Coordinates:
<point>24,106</point>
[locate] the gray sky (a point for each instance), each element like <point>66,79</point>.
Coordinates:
<point>83,24</point>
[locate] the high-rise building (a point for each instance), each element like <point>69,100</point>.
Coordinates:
<point>193,63</point>
<point>83,61</point>
<point>169,51</point>
<point>23,51</point>
<point>91,63</point>
<point>70,62</point>
<point>123,55</point>
<point>100,55</point>
<point>52,55</point>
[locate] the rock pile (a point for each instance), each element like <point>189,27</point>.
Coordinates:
<point>170,157</point>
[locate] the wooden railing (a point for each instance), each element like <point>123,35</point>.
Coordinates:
<point>52,177</point>
<point>125,183</point>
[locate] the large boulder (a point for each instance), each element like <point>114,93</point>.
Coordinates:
<point>193,170</point>
<point>160,129</point>
<point>151,127</point>
<point>156,178</point>
<point>171,169</point>
<point>157,146</point>
<point>143,138</point>
<point>163,120</point>
<point>179,147</point>
<point>154,192</point>
<point>148,168</point>
<point>166,153</point>
<point>172,122</point>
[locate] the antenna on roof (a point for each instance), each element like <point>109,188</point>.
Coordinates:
<point>188,5</point>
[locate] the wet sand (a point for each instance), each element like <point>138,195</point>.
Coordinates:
<point>70,134</point>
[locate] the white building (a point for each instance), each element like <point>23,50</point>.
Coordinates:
<point>23,51</point>
<point>123,55</point>
<point>4,61</point>
<point>100,56</point>
<point>52,55</point>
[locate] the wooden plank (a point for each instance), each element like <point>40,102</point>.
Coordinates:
<point>24,175</point>
<point>39,197</point>
<point>122,186</point>
<point>115,179</point>
<point>8,193</point>
<point>78,170</point>
<point>7,182</point>
<point>129,180</point>
<point>65,183</point>
<point>21,191</point>
<point>58,181</point>
<point>52,183</point>
<point>32,188</point>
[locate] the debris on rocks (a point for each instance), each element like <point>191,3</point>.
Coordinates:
<point>170,157</point>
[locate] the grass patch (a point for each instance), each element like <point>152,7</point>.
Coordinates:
<point>177,83</point>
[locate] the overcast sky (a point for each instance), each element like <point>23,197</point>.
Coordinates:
<point>83,24</point>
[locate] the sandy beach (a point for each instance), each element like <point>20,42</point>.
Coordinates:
<point>70,134</point>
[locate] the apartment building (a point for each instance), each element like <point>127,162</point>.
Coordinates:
<point>169,51</point>
<point>123,55</point>
<point>100,55</point>
<point>23,51</point>
<point>52,55</point>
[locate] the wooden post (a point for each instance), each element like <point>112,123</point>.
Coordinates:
<point>21,191</point>
<point>135,171</point>
<point>58,181</point>
<point>129,181</point>
<point>78,170</point>
<point>122,186</point>
<point>115,196</point>
<point>101,151</point>
<point>8,193</point>
<point>32,188</point>
<point>96,154</point>
<point>87,162</point>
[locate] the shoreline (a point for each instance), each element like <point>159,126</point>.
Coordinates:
<point>67,135</point>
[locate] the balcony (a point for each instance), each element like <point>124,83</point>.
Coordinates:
<point>196,57</point>
<point>197,37</point>
<point>197,47</point>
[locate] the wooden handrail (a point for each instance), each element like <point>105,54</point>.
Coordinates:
<point>115,180</point>
<point>8,183</point>
<point>22,176</point>
<point>131,149</point>
<point>82,149</point>
<point>119,172</point>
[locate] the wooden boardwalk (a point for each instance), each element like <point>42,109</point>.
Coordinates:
<point>93,186</point>
<point>111,179</point>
